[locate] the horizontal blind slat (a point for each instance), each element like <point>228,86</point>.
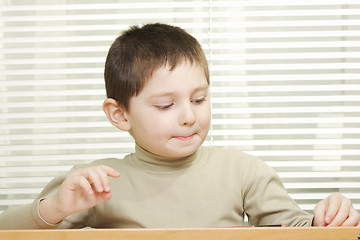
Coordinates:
<point>284,87</point>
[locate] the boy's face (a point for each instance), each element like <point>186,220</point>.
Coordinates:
<point>171,115</point>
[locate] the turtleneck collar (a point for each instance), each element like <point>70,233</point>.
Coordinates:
<point>154,163</point>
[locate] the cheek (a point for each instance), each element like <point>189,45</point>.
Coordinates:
<point>159,126</point>
<point>207,111</point>
<point>205,123</point>
<point>205,117</point>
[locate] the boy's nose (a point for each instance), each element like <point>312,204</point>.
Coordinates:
<point>187,115</point>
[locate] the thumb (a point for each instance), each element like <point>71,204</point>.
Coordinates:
<point>319,213</point>
<point>333,207</point>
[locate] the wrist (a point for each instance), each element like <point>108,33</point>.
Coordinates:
<point>49,212</point>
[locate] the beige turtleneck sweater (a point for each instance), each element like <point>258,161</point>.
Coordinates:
<point>214,187</point>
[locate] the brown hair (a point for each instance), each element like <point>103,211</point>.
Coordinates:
<point>139,51</point>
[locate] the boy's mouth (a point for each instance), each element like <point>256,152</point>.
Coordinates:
<point>184,138</point>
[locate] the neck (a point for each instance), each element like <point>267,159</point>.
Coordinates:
<point>153,162</point>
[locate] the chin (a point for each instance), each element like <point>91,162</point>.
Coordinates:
<point>185,152</point>
<point>177,150</point>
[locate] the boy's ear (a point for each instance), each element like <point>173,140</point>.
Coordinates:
<point>116,114</point>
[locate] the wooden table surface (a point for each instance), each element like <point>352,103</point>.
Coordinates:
<point>242,233</point>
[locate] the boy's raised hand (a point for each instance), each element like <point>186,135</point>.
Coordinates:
<point>336,210</point>
<point>81,190</point>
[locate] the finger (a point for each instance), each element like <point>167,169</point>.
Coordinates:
<point>334,205</point>
<point>84,184</point>
<point>94,177</point>
<point>342,213</point>
<point>103,176</point>
<point>102,197</point>
<point>353,219</point>
<point>110,171</point>
<point>76,181</point>
<point>319,213</point>
<point>99,177</point>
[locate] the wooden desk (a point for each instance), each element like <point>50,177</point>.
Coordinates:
<point>245,233</point>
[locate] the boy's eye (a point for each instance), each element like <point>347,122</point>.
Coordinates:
<point>199,100</point>
<point>164,106</point>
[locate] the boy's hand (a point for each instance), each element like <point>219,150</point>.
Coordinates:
<point>336,210</point>
<point>81,190</point>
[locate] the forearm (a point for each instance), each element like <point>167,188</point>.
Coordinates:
<point>24,217</point>
<point>267,201</point>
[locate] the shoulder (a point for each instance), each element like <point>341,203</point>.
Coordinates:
<point>230,154</point>
<point>115,163</point>
<point>232,157</point>
<point>111,162</point>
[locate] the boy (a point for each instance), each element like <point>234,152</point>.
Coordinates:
<point>157,83</point>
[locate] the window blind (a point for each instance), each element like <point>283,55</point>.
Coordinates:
<point>285,86</point>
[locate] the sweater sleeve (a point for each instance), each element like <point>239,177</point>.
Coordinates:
<point>24,217</point>
<point>28,217</point>
<point>267,202</point>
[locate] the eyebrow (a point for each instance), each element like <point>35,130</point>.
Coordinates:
<point>166,94</point>
<point>201,88</point>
